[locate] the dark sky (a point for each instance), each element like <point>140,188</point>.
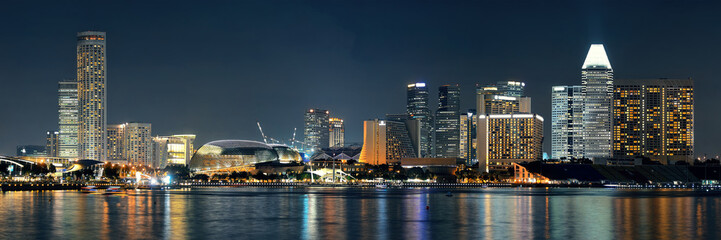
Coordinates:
<point>214,68</point>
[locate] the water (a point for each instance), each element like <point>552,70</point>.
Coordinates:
<point>352,213</point>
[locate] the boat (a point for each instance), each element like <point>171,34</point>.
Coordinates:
<point>113,190</point>
<point>88,189</point>
<point>381,186</point>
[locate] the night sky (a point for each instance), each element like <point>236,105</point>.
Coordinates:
<point>214,69</point>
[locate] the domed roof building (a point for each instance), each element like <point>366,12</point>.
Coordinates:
<point>238,155</point>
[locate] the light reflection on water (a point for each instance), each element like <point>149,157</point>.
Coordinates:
<point>340,213</point>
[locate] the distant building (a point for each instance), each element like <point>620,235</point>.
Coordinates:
<point>387,142</point>
<point>137,143</point>
<point>417,108</point>
<point>337,132</point>
<point>31,151</point>
<point>467,137</point>
<point>447,122</point>
<point>567,122</point>
<point>504,97</point>
<point>116,135</point>
<point>316,129</point>
<point>597,89</point>
<point>508,138</point>
<point>91,70</point>
<point>52,143</point>
<point>68,119</point>
<point>172,150</point>
<point>654,118</point>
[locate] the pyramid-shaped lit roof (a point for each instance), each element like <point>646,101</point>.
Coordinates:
<point>596,58</point>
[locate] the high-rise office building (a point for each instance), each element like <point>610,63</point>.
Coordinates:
<point>317,129</point>
<point>467,138</point>
<point>68,119</point>
<point>137,143</point>
<point>504,97</point>
<point>172,150</point>
<point>337,132</point>
<point>387,142</point>
<point>597,89</point>
<point>52,143</point>
<point>447,122</point>
<point>567,122</point>
<point>91,70</point>
<point>417,108</point>
<point>115,142</point>
<point>654,118</point>
<point>508,138</point>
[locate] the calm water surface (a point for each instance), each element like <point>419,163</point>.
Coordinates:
<point>351,213</point>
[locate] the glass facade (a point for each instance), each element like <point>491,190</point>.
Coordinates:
<point>316,129</point>
<point>337,132</point>
<point>567,122</point>
<point>68,119</point>
<point>597,88</point>
<point>447,123</point>
<point>417,108</point>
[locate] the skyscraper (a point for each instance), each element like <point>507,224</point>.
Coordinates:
<point>504,97</point>
<point>654,118</point>
<point>417,108</point>
<point>467,139</point>
<point>91,70</point>
<point>567,122</point>
<point>337,132</point>
<point>387,142</point>
<point>508,138</point>
<point>52,145</point>
<point>68,119</point>
<point>316,129</point>
<point>137,143</point>
<point>447,122</point>
<point>115,142</point>
<point>597,89</point>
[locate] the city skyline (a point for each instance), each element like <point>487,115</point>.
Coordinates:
<point>128,104</point>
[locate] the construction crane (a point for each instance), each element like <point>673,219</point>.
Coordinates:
<point>262,134</point>
<point>292,141</point>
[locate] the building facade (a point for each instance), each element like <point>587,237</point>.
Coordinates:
<point>654,118</point>
<point>316,129</point>
<point>387,142</point>
<point>417,108</point>
<point>337,132</point>
<point>115,142</point>
<point>92,100</point>
<point>567,122</point>
<point>597,89</point>
<point>68,119</point>
<point>172,150</point>
<point>504,97</point>
<point>508,138</point>
<point>467,137</point>
<point>137,143</point>
<point>447,122</point>
<point>52,143</point>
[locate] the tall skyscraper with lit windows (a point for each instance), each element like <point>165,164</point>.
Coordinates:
<point>504,97</point>
<point>316,129</point>
<point>597,90</point>
<point>447,122</point>
<point>567,122</point>
<point>91,77</point>
<point>654,118</point>
<point>68,119</point>
<point>337,132</point>
<point>417,108</point>
<point>138,143</point>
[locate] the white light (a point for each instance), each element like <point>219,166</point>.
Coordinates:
<point>505,98</point>
<point>420,84</point>
<point>522,115</point>
<point>559,88</point>
<point>539,117</point>
<point>499,116</point>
